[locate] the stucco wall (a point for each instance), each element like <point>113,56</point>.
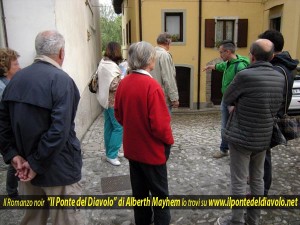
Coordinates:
<point>82,53</point>
<point>24,19</point>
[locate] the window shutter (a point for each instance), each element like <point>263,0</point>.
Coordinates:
<point>209,33</point>
<point>242,33</point>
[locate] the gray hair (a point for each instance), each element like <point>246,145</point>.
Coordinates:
<point>228,45</point>
<point>164,38</point>
<point>49,43</point>
<point>140,55</point>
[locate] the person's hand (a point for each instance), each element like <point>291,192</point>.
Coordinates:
<point>175,104</point>
<point>17,162</point>
<point>209,67</point>
<point>27,173</point>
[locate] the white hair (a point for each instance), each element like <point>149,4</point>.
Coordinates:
<point>49,43</point>
<point>140,55</point>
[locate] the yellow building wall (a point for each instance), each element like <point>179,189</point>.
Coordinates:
<point>130,12</point>
<point>256,11</point>
<point>183,54</point>
<point>251,10</point>
<point>187,53</point>
<point>290,23</point>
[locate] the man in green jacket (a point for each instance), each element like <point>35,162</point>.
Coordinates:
<point>232,63</point>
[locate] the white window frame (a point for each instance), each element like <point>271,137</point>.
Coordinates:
<point>232,18</point>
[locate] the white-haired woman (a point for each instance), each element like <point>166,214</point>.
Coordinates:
<point>140,107</point>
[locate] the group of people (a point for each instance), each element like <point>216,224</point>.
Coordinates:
<point>109,78</point>
<point>141,105</point>
<point>37,130</point>
<point>253,95</point>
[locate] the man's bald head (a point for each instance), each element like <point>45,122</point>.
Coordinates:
<point>262,50</point>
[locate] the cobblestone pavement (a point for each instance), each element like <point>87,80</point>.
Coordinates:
<point>191,171</point>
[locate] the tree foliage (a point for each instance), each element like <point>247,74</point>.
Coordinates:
<point>110,26</point>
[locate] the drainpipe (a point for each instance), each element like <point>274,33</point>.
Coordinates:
<point>140,20</point>
<point>4,25</point>
<point>199,54</point>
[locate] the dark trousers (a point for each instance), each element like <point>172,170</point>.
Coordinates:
<point>146,179</point>
<point>11,182</point>
<point>267,172</point>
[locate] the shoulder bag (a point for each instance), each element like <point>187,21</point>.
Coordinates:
<point>289,126</point>
<point>93,84</point>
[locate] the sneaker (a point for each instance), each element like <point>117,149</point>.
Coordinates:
<point>120,154</point>
<point>224,220</point>
<point>114,162</point>
<point>220,154</point>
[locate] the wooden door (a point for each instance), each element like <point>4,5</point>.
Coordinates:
<point>183,77</point>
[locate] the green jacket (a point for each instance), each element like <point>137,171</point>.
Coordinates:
<point>230,68</point>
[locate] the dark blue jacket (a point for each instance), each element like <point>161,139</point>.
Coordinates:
<point>38,110</point>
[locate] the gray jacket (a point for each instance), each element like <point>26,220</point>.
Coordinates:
<point>257,94</point>
<point>165,73</point>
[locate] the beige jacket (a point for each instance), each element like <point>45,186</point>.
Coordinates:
<point>165,73</point>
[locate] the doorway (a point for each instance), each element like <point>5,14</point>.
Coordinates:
<point>183,78</point>
<point>216,85</point>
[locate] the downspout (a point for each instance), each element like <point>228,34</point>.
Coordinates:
<point>199,53</point>
<point>140,20</point>
<point>4,25</point>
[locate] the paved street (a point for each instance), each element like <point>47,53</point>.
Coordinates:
<point>192,171</point>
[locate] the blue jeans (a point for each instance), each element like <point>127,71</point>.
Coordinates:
<point>113,134</point>
<point>170,109</point>
<point>224,119</point>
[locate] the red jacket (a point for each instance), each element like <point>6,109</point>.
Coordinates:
<point>141,109</point>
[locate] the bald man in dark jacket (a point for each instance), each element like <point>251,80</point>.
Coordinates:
<point>256,94</point>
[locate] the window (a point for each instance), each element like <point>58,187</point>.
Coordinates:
<point>275,23</point>
<point>173,22</point>
<point>124,36</point>
<point>275,15</point>
<point>128,32</point>
<point>224,30</point>
<point>219,29</point>
<point>173,25</point>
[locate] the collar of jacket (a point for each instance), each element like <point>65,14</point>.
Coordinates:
<point>259,64</point>
<point>47,59</point>
<point>142,72</point>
